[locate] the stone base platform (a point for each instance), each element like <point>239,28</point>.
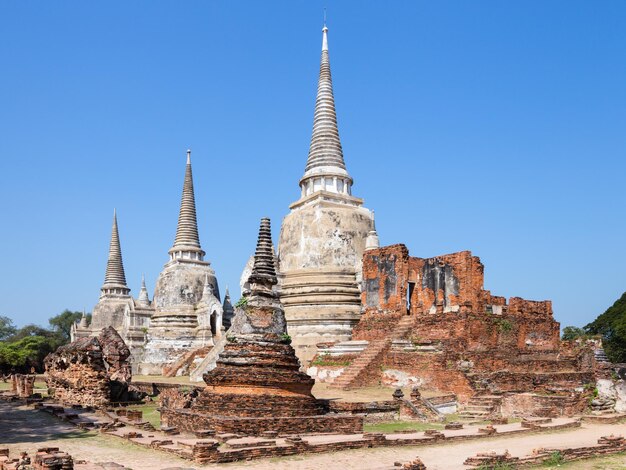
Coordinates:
<point>190,421</point>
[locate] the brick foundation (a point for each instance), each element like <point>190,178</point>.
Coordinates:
<point>188,420</point>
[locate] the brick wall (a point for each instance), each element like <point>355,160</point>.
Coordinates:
<point>187,420</point>
<point>462,332</point>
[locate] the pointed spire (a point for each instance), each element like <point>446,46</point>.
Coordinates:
<point>228,309</point>
<point>187,242</point>
<point>143,298</point>
<point>263,276</point>
<point>83,320</point>
<point>325,153</point>
<point>115,279</point>
<point>264,254</point>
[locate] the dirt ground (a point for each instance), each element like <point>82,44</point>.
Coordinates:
<point>22,428</point>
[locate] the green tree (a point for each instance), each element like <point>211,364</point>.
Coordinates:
<point>34,330</point>
<point>26,352</point>
<point>572,332</point>
<point>62,323</point>
<point>611,325</point>
<point>7,328</point>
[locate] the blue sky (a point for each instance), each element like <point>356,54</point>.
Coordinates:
<point>496,127</point>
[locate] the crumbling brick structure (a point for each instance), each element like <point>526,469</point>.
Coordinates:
<point>434,322</point>
<point>90,371</point>
<point>22,385</point>
<point>257,385</point>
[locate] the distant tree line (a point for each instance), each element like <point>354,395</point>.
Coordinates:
<point>24,349</point>
<point>610,327</point>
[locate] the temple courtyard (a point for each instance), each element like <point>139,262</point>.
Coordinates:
<point>25,429</point>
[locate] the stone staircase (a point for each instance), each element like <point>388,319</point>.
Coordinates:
<point>482,407</point>
<point>374,351</point>
<point>184,361</point>
<point>600,356</point>
<point>210,360</point>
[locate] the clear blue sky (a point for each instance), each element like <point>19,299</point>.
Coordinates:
<point>490,126</point>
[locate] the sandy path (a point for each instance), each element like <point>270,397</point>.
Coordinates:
<point>441,457</point>
<point>22,428</point>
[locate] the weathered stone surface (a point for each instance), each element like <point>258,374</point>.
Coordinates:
<point>257,384</point>
<point>320,249</point>
<point>181,321</point>
<point>90,371</point>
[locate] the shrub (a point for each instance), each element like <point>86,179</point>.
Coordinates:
<point>556,458</point>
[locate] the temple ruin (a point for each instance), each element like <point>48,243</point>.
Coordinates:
<point>257,384</point>
<point>388,318</point>
<point>90,371</point>
<point>429,322</point>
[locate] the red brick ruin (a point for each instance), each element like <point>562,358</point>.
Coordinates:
<point>91,371</point>
<point>431,319</point>
<point>22,385</point>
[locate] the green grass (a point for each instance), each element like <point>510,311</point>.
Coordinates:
<point>40,387</point>
<point>396,426</point>
<point>150,413</point>
<point>555,460</point>
<point>497,466</point>
<point>609,462</point>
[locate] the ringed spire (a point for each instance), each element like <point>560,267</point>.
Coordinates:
<point>187,241</point>
<point>115,278</point>
<point>325,168</point>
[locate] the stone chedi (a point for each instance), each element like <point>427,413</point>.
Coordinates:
<point>114,293</point>
<point>257,385</point>
<point>90,371</point>
<point>116,307</point>
<point>187,310</point>
<point>323,238</point>
<point>185,313</point>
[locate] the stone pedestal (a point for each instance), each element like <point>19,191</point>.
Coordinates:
<point>320,251</point>
<point>174,327</point>
<point>257,386</point>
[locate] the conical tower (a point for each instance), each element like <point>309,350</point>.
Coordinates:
<point>229,310</point>
<point>263,276</point>
<point>114,294</point>
<point>182,292</point>
<point>372,242</point>
<point>143,299</point>
<point>114,278</point>
<point>322,239</point>
<point>187,241</point>
<point>325,167</point>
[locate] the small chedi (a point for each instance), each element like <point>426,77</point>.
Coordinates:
<point>429,322</point>
<point>90,371</point>
<point>256,385</point>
